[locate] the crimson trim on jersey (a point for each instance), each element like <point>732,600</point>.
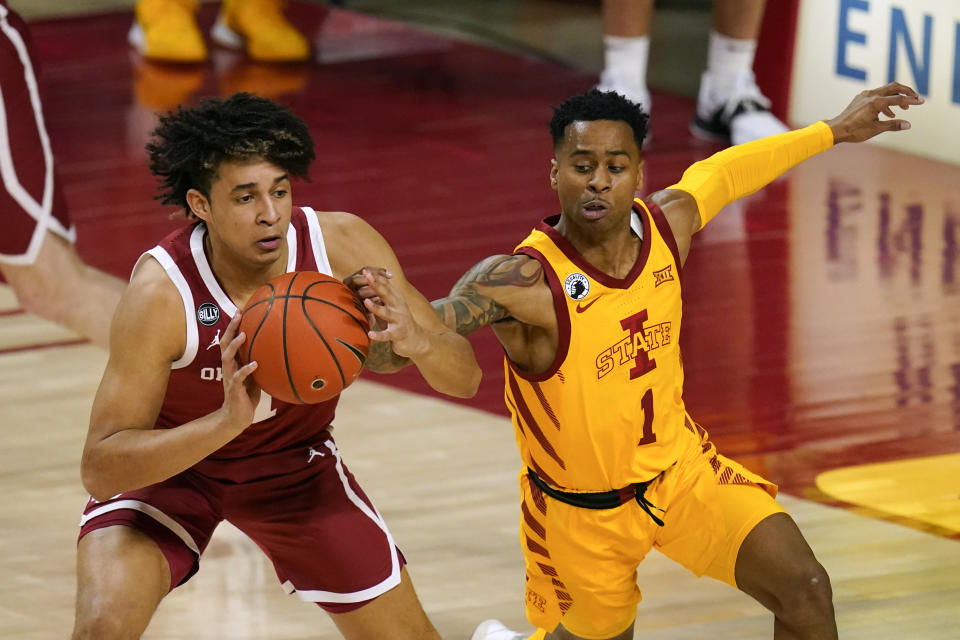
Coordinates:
<point>547,227</point>
<point>563,319</point>
<point>667,234</point>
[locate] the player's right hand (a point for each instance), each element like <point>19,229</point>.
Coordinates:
<point>240,393</point>
<point>360,283</point>
<point>861,119</point>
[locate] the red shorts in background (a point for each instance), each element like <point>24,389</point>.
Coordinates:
<point>30,198</point>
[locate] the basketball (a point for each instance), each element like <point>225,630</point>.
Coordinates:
<point>308,333</point>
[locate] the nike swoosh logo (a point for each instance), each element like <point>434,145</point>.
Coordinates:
<point>583,307</point>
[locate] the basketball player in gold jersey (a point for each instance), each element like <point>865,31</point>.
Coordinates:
<point>588,309</point>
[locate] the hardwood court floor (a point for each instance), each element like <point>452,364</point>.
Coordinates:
<point>444,478</point>
<point>821,336</point>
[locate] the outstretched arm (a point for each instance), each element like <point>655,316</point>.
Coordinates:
<point>500,288</point>
<point>511,293</point>
<point>404,328</point>
<point>475,300</point>
<point>399,336</point>
<point>711,184</point>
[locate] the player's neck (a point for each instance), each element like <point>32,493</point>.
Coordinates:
<point>613,252</point>
<point>239,278</point>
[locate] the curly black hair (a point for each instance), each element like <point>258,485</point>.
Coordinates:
<point>189,144</point>
<point>598,105</point>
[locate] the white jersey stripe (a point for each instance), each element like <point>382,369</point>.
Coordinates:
<point>173,272</point>
<point>316,238</point>
<point>365,594</point>
<point>291,248</point>
<point>175,527</point>
<point>206,272</point>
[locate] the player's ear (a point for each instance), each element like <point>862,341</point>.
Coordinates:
<point>639,176</point>
<point>198,204</point>
<point>553,173</point>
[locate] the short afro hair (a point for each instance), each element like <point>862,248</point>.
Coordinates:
<point>598,105</point>
<point>189,144</point>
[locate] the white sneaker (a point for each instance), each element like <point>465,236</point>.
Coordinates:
<point>638,93</point>
<point>494,630</point>
<point>736,113</point>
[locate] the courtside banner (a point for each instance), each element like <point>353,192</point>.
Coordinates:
<point>846,46</point>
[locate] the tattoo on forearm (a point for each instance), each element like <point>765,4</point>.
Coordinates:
<point>382,359</point>
<point>467,309</point>
<point>503,271</point>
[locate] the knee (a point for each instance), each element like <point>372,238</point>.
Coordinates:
<point>806,593</point>
<point>100,622</point>
<point>95,628</point>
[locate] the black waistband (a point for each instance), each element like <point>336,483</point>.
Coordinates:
<point>599,499</point>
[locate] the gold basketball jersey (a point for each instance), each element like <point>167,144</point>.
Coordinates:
<point>609,411</point>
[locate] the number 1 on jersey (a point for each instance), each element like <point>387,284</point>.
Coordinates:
<point>646,405</point>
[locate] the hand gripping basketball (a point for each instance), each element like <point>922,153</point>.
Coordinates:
<point>308,333</point>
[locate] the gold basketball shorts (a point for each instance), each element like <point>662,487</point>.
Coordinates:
<point>582,563</point>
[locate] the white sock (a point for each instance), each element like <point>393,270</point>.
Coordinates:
<point>729,57</point>
<point>625,58</point>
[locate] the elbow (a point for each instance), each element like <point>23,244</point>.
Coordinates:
<point>94,480</point>
<point>460,386</point>
<point>470,386</point>
<point>475,383</point>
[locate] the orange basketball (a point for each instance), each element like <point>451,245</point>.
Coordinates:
<point>308,333</point>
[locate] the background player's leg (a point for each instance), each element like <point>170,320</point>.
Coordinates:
<point>626,46</point>
<point>738,19</point>
<point>58,286</point>
<point>730,106</point>
<point>121,577</point>
<point>776,566</point>
<point>396,614</point>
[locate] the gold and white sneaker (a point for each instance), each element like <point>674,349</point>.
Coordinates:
<point>166,31</point>
<point>259,28</point>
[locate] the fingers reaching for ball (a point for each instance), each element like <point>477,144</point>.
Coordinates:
<point>368,283</point>
<point>361,281</point>
<point>393,320</point>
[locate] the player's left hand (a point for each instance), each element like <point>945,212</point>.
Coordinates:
<point>240,393</point>
<point>861,119</point>
<point>391,319</point>
<point>357,282</point>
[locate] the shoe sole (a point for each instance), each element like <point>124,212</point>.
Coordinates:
<point>706,134</point>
